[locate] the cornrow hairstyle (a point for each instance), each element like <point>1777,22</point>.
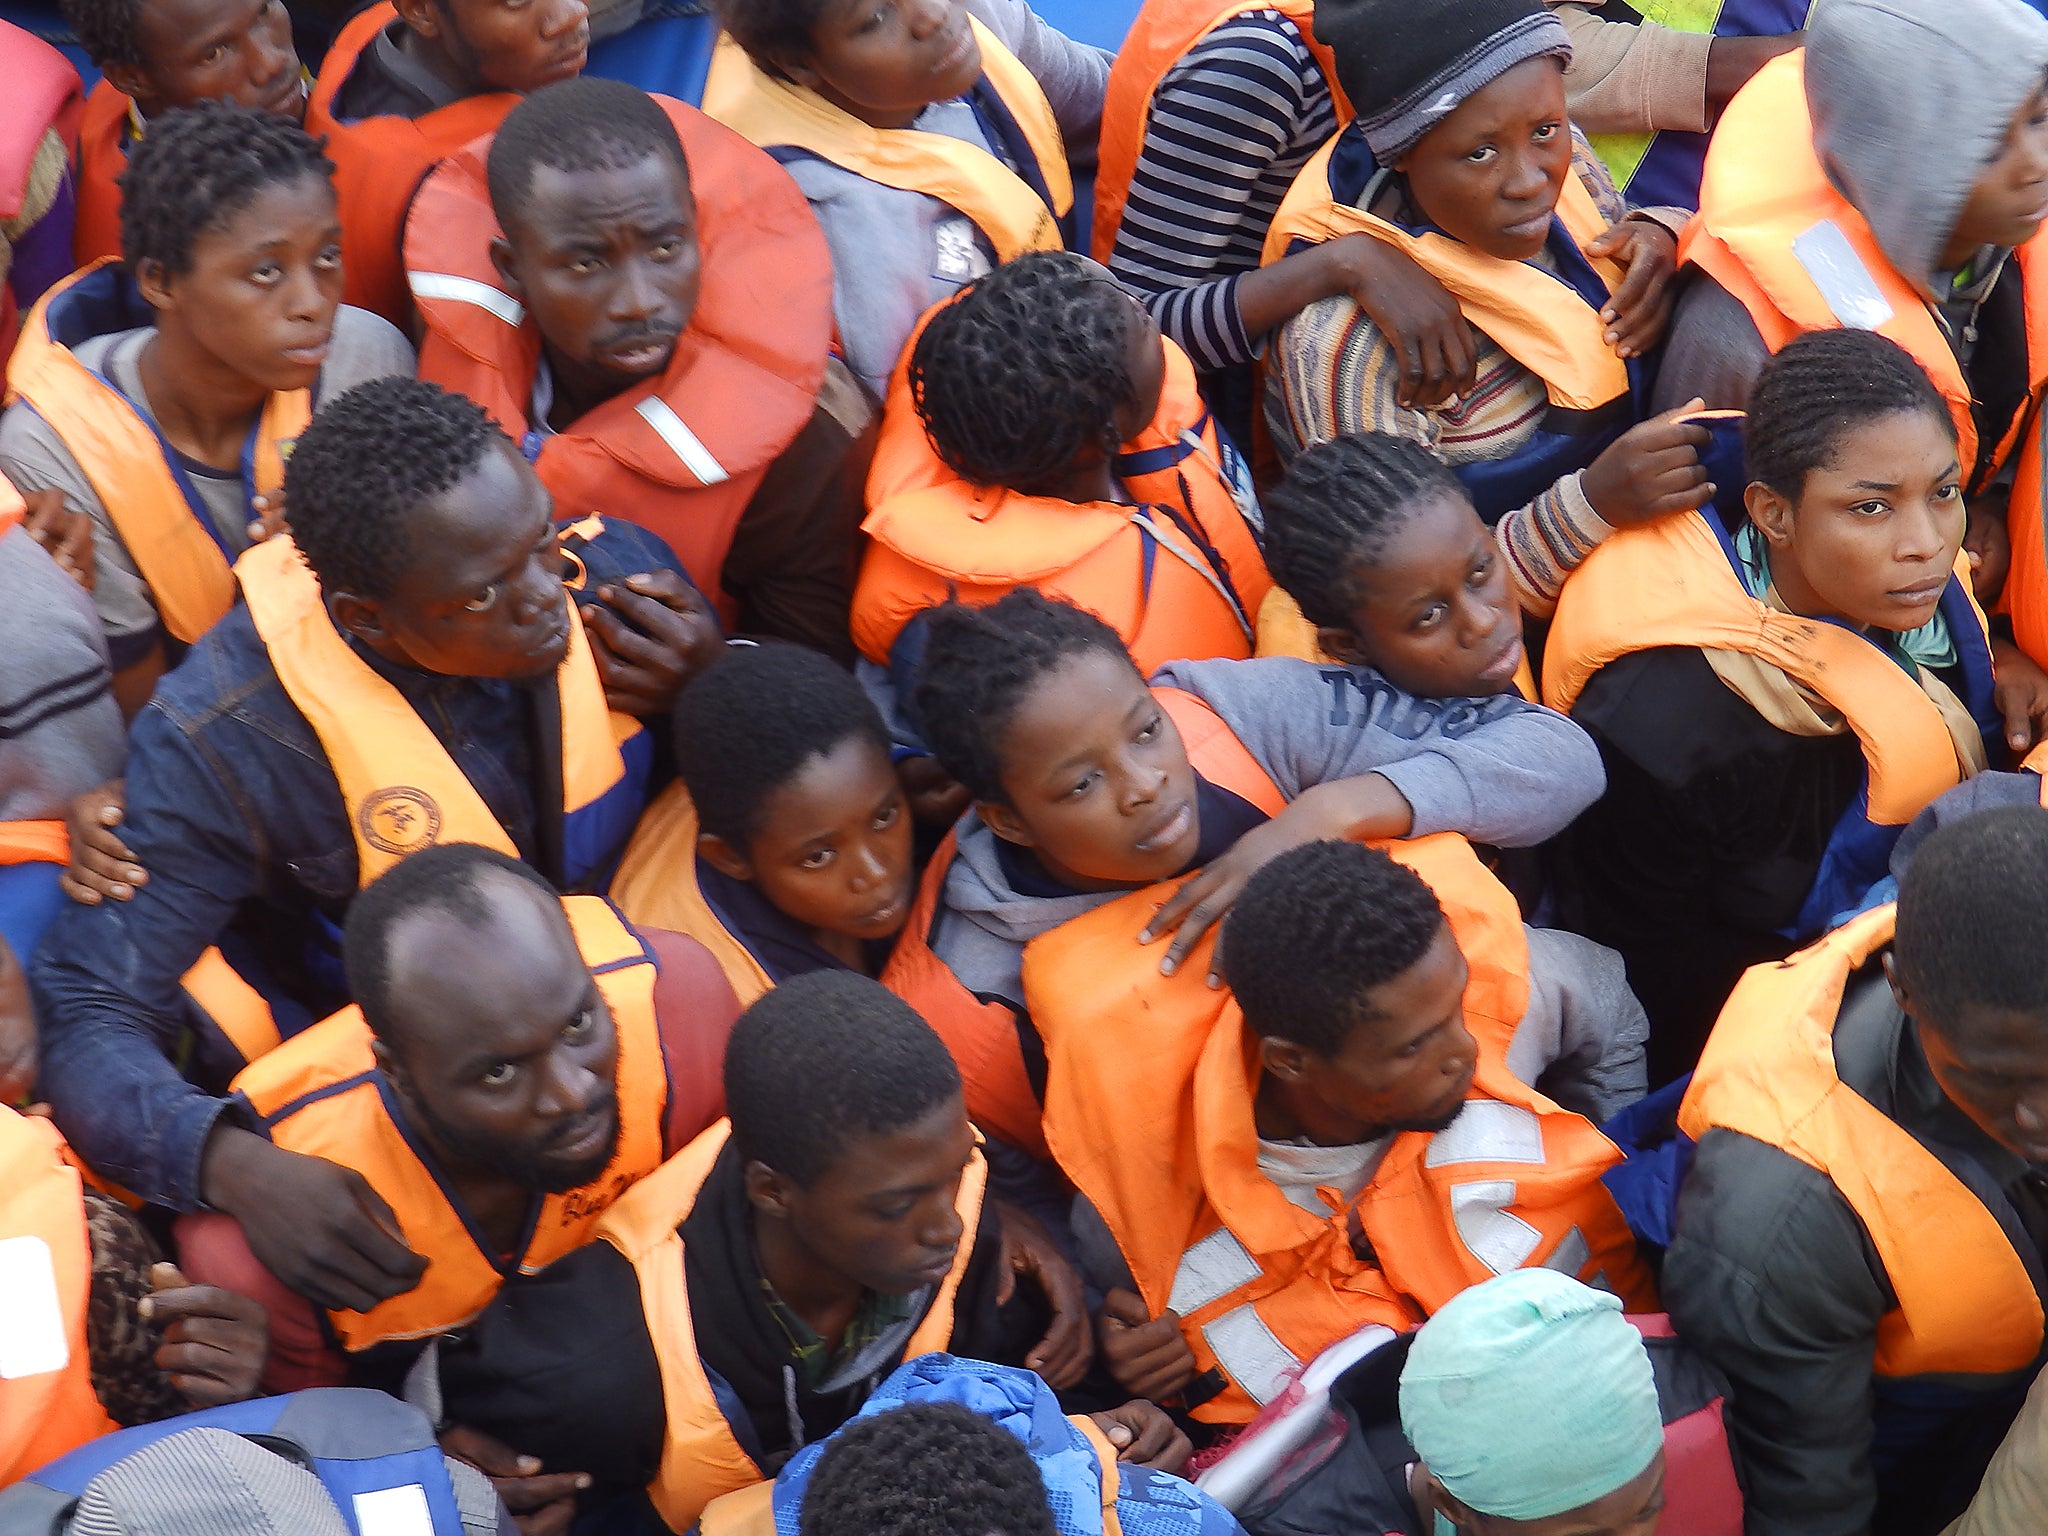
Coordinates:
<point>1335,510</point>
<point>365,467</point>
<point>1315,932</point>
<point>773,33</point>
<point>197,168</point>
<point>980,663</point>
<point>582,125</point>
<point>108,30</point>
<point>1821,386</point>
<point>926,1469</point>
<point>827,1059</point>
<point>1026,369</point>
<point>1973,920</point>
<point>754,720</point>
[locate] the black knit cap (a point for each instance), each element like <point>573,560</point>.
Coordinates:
<point>1406,65</point>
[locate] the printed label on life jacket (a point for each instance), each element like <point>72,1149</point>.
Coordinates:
<point>32,1339</point>
<point>1852,293</point>
<point>400,1511</point>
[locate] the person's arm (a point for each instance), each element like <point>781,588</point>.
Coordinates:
<point>1634,77</point>
<point>2013,1498</point>
<point>1582,1039</point>
<point>694,1010</point>
<point>1712,349</point>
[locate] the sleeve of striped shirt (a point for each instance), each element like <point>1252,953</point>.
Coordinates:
<point>1228,129</point>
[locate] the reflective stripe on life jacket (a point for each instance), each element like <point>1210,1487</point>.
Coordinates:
<point>402,789</point>
<point>159,513</point>
<point>102,157</point>
<point>701,1458</point>
<point>1966,1304</point>
<point>321,1094</point>
<point>681,454</point>
<point>1149,1110</point>
<point>656,887</point>
<point>1018,210</point>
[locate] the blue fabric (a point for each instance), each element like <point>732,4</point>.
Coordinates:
<point>667,51</point>
<point>1659,1156</point>
<point>29,898</point>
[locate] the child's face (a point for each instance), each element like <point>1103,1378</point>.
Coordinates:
<point>1436,614</point>
<point>1489,175</point>
<point>885,61</point>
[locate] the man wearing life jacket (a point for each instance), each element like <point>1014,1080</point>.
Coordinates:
<point>1860,1246</point>
<point>1349,1137</point>
<point>406,85</point>
<point>651,327</point>
<point>158,56</point>
<point>422,675</point>
<point>744,1298</point>
<point>37,197</point>
<point>161,394</point>
<point>931,149</point>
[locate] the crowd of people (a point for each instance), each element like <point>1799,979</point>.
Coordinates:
<point>698,834</point>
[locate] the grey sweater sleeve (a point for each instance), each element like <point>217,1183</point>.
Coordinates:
<point>1583,1039</point>
<point>1499,770</point>
<point>1073,75</point>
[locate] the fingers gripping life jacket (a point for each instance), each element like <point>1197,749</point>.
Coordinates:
<point>681,454</point>
<point>1018,210</point>
<point>701,1457</point>
<point>42,94</point>
<point>656,887</point>
<point>1152,1079</point>
<point>136,474</point>
<point>103,134</point>
<point>1966,1304</point>
<point>1163,35</point>
<point>321,1095</point>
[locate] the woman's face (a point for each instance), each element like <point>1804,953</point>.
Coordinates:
<point>1489,175</point>
<point>885,61</point>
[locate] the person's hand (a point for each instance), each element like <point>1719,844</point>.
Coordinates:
<point>1063,1355</point>
<point>1147,1356</point>
<point>542,1504</point>
<point>269,519</point>
<point>1988,544</point>
<point>316,1225</point>
<point>1640,309</point>
<point>1422,323</point>
<point>215,1342</point>
<point>101,865</point>
<point>650,635</point>
<point>17,1030</point>
<point>937,799</point>
<point>1145,1433</point>
<point>2020,695</point>
<point>1651,470</point>
<point>66,536</point>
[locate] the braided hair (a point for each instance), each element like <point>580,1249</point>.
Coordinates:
<point>926,1469</point>
<point>981,662</point>
<point>197,168</point>
<point>582,125</point>
<point>1821,386</point>
<point>108,30</point>
<point>1334,511</point>
<point>1026,369</point>
<point>773,33</point>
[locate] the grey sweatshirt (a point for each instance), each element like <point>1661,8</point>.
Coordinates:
<point>61,731</point>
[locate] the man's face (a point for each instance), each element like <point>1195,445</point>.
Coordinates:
<point>215,50</point>
<point>1994,1067</point>
<point>504,45</point>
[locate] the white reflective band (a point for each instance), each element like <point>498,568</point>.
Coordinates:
<point>34,1340</point>
<point>466,290</point>
<point>695,456</point>
<point>1247,1350</point>
<point>1487,1131</point>
<point>1211,1270</point>
<point>1842,278</point>
<point>1498,1239</point>
<point>1572,1254</point>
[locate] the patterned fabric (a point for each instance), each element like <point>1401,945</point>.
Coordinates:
<point>203,1482</point>
<point>818,1362</point>
<point>120,1345</point>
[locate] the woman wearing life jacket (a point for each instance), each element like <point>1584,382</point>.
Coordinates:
<point>931,137</point>
<point>1778,687</point>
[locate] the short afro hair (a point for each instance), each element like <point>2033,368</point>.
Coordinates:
<point>108,30</point>
<point>1973,919</point>
<point>197,168</point>
<point>1315,931</point>
<point>926,1469</point>
<point>449,877</point>
<point>367,464</point>
<point>979,664</point>
<point>754,720</point>
<point>1026,369</point>
<point>827,1059</point>
<point>582,125</point>
<point>773,33</point>
<point>1821,386</point>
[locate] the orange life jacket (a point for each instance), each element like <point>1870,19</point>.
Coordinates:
<point>102,157</point>
<point>1965,1302</point>
<point>158,513</point>
<point>656,887</point>
<point>1149,1110</point>
<point>321,1094</point>
<point>681,454</point>
<point>701,1458</point>
<point>379,163</point>
<point>47,1405</point>
<point>1159,39</point>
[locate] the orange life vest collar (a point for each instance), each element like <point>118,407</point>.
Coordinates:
<point>103,133</point>
<point>656,887</point>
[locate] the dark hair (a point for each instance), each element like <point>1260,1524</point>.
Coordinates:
<point>579,125</point>
<point>826,1059</point>
<point>926,1469</point>
<point>197,168</point>
<point>366,465</point>
<point>978,665</point>
<point>1334,511</point>
<point>754,720</point>
<point>108,30</point>
<point>449,877</point>
<point>1973,919</point>
<point>1315,931</point>
<point>1820,386</point>
<point>772,32</point>
<point>1025,369</point>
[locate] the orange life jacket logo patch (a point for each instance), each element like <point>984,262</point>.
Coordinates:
<point>399,820</point>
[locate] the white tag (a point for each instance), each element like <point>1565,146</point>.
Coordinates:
<point>400,1511</point>
<point>32,1341</point>
<point>1831,261</point>
<point>958,258</point>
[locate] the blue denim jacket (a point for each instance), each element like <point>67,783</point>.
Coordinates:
<point>240,822</point>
